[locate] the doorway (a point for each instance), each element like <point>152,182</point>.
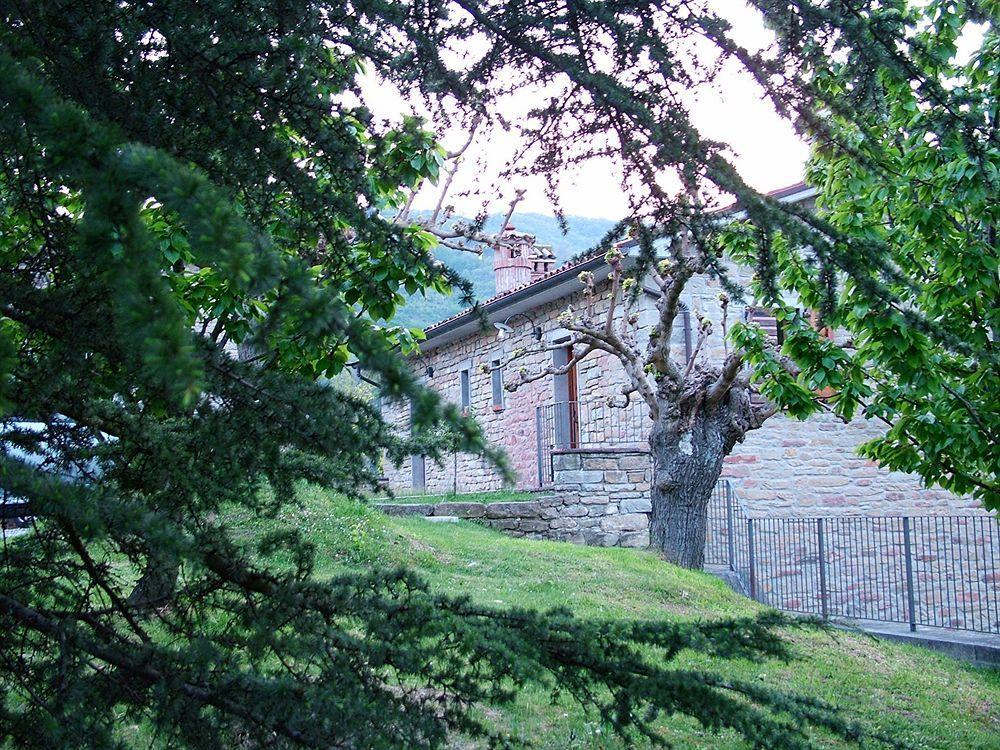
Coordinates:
<point>566,401</point>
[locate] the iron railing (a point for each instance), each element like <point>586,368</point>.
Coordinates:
<point>587,424</point>
<point>937,571</point>
<point>926,570</point>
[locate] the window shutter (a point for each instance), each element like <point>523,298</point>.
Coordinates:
<point>497,372</point>
<point>683,320</point>
<point>763,317</point>
<point>418,477</point>
<point>466,390</point>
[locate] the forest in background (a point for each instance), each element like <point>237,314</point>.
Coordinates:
<point>584,233</point>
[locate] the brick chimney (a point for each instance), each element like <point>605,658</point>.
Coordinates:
<point>512,259</point>
<point>542,262</point>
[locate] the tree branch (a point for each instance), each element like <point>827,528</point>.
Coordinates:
<point>730,369</point>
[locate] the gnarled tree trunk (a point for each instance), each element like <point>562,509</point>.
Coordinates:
<point>700,410</point>
<point>687,454</point>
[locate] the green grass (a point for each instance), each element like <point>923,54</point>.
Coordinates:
<point>919,697</point>
<point>499,496</point>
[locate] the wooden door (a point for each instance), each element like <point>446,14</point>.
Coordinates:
<point>565,397</point>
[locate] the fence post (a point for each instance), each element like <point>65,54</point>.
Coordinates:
<point>538,445</point>
<point>910,596</point>
<point>751,555</point>
<point>824,607</point>
<point>729,525</point>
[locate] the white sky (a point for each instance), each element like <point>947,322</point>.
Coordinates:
<point>764,148</point>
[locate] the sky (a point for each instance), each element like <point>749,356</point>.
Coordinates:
<point>764,148</point>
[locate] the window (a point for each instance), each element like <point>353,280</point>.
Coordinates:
<point>463,378</point>
<point>814,319</point>
<point>684,320</point>
<point>564,393</point>
<point>497,373</point>
<point>771,326</point>
<point>826,332</point>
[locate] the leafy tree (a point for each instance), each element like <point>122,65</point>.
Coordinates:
<point>906,159</point>
<point>178,179</point>
<point>926,188</point>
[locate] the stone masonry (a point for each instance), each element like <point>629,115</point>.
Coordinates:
<point>612,486</point>
<point>600,498</point>
<point>511,426</point>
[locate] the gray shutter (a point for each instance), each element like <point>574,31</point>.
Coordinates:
<point>418,478</point>
<point>466,387</point>
<point>497,374</point>
<point>763,317</point>
<point>684,317</point>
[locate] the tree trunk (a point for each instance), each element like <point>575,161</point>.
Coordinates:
<point>157,584</point>
<point>687,461</point>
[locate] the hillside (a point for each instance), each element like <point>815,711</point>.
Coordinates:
<point>583,234</point>
<point>920,698</point>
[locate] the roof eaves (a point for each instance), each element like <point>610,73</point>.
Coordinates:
<point>791,193</point>
<point>512,296</point>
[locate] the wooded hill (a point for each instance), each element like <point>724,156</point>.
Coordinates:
<point>584,233</point>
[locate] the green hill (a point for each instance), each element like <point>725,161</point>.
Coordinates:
<point>584,233</point>
<point>922,699</point>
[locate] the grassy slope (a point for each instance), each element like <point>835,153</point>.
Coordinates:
<point>917,696</point>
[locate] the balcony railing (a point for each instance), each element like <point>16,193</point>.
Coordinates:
<point>587,424</point>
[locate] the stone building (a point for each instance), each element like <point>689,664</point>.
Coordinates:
<point>786,467</point>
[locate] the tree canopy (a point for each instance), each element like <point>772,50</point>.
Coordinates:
<point>908,165</point>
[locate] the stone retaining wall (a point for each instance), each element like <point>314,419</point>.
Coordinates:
<point>557,517</point>
<point>600,497</point>
<point>612,484</point>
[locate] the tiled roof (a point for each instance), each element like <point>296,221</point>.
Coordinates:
<point>430,330</point>
<point>778,194</point>
<point>570,265</point>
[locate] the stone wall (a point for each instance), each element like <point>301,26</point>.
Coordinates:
<point>600,497</point>
<point>786,468</point>
<point>812,468</point>
<point>512,427</point>
<point>555,516</point>
<point>612,486</point>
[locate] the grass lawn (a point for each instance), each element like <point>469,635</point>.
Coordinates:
<point>921,698</point>
<point>500,496</point>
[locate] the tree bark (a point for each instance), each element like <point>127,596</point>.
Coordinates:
<point>687,457</point>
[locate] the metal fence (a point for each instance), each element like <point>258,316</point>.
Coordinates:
<point>587,424</point>
<point>938,571</point>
